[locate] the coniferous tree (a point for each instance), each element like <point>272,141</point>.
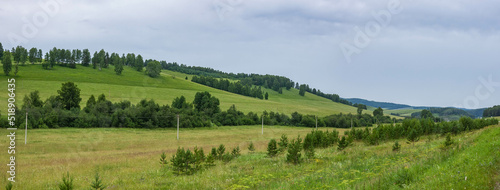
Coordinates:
<point>236,152</point>
<point>396,146</point>
<point>294,151</point>
<point>97,183</point>
<point>67,182</point>
<point>251,147</point>
<point>199,157</point>
<point>272,149</point>
<point>413,136</point>
<point>283,144</point>
<point>220,151</point>
<point>342,144</point>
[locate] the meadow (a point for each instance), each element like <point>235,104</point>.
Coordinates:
<point>129,159</point>
<point>135,86</point>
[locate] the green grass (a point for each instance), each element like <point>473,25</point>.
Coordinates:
<point>403,112</point>
<point>134,86</point>
<point>129,159</point>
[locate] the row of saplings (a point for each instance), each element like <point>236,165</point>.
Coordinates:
<point>187,162</point>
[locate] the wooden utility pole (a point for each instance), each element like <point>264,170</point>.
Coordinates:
<point>177,126</point>
<point>316,122</point>
<point>262,124</point>
<point>26,130</point>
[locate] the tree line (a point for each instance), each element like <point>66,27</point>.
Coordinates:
<point>273,82</point>
<point>491,112</point>
<point>70,58</point>
<point>63,110</point>
<point>234,87</point>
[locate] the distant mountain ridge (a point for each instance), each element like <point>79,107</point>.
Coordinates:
<point>395,106</point>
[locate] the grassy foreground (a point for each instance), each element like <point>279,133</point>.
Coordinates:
<point>129,159</point>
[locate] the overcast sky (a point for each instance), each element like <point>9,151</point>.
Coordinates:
<point>422,53</point>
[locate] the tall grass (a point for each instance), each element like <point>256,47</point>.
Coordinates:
<point>128,159</point>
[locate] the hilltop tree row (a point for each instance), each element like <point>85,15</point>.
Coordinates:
<point>234,87</point>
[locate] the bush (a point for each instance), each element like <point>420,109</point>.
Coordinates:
<point>220,151</point>
<point>8,186</point>
<point>227,157</point>
<point>272,150</point>
<point>214,152</point>
<point>283,143</point>
<point>97,183</point>
<point>343,143</point>
<point>413,137</point>
<point>163,158</point>
<point>396,146</point>
<point>67,182</point>
<point>251,147</point>
<point>210,161</point>
<point>448,142</point>
<point>199,157</point>
<point>236,152</point>
<point>182,162</point>
<point>294,148</point>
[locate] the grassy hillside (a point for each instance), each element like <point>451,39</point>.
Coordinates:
<point>134,86</point>
<point>129,159</point>
<point>403,112</point>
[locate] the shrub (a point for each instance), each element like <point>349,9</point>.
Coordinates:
<point>294,148</point>
<point>227,157</point>
<point>251,147</point>
<point>97,183</point>
<point>182,162</point>
<point>8,186</point>
<point>210,161</point>
<point>163,158</point>
<point>448,142</point>
<point>343,143</point>
<point>67,182</point>
<point>308,141</point>
<point>396,146</point>
<point>214,152</point>
<point>413,137</point>
<point>220,151</point>
<point>283,143</point>
<point>199,157</point>
<point>236,152</point>
<point>272,150</point>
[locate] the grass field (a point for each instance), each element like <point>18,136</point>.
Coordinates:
<point>403,112</point>
<point>129,159</point>
<point>134,86</point>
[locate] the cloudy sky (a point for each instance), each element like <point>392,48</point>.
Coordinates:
<point>423,53</point>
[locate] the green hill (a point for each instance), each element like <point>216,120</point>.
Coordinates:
<point>134,86</point>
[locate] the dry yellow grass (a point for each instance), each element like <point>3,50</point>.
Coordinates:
<point>122,156</point>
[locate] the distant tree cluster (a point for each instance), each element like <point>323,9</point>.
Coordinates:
<point>303,88</point>
<point>70,58</point>
<point>493,111</point>
<point>234,87</point>
<point>442,112</point>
